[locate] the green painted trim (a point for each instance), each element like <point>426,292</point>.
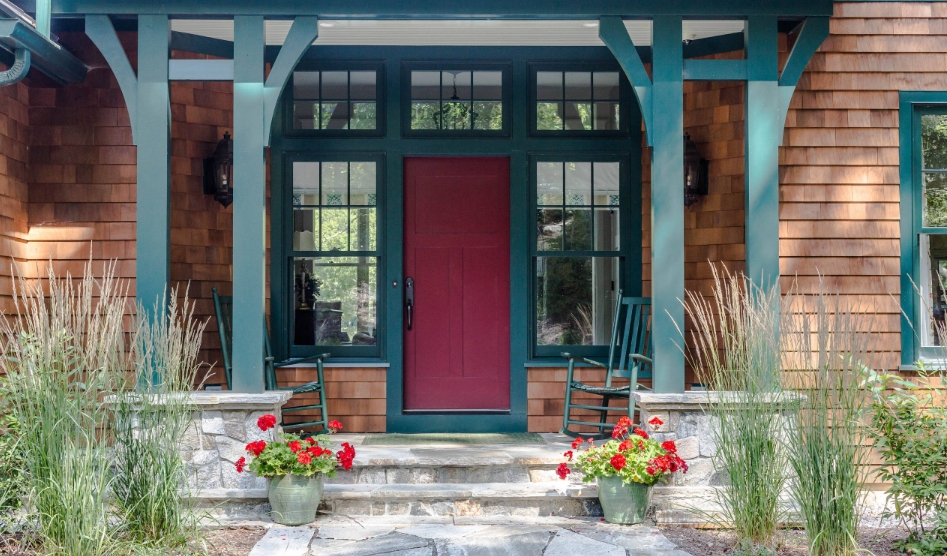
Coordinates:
<point>301,35</point>
<point>613,33</point>
<point>813,33</point>
<point>667,204</point>
<point>153,206</point>
<point>43,17</point>
<point>911,104</point>
<point>449,9</point>
<point>715,70</point>
<point>761,152</point>
<point>249,206</point>
<point>201,45</point>
<point>100,30</point>
<point>730,42</point>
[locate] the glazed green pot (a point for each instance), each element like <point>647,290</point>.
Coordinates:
<point>625,503</point>
<point>294,499</point>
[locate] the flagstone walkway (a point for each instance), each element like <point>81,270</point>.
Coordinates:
<point>459,536</point>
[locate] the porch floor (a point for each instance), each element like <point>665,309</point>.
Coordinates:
<point>468,536</point>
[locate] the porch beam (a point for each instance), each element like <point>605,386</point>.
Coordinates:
<point>615,35</point>
<point>249,205</point>
<point>153,197</point>
<point>761,152</point>
<point>200,70</point>
<point>667,204</point>
<point>302,34</point>
<point>714,70</point>
<point>101,32</point>
<point>814,32</point>
<point>448,9</point>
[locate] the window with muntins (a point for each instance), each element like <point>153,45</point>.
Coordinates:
<point>576,252</point>
<point>456,101</point>
<point>577,101</point>
<point>932,241</point>
<point>335,100</point>
<point>334,256</point>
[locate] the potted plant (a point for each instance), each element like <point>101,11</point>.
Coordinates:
<point>295,469</point>
<point>626,468</point>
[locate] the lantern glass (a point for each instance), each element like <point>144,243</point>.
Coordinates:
<point>223,170</point>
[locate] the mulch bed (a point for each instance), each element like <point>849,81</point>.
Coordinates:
<point>717,542</point>
<point>227,541</point>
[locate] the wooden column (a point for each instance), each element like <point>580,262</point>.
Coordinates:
<point>153,137</point>
<point>249,205</point>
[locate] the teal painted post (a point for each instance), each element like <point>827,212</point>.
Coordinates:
<point>667,204</point>
<point>249,205</point>
<point>43,16</point>
<point>761,148</point>
<point>153,201</point>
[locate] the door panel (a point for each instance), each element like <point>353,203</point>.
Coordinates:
<point>457,250</point>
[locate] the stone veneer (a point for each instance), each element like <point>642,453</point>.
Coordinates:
<point>222,426</point>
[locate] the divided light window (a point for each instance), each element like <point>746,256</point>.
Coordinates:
<point>456,100</point>
<point>933,237</point>
<point>335,100</point>
<point>576,252</point>
<point>578,101</point>
<point>335,256</point>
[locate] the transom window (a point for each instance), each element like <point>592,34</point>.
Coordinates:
<point>335,255</point>
<point>576,251</point>
<point>335,100</point>
<point>578,101</point>
<point>456,100</point>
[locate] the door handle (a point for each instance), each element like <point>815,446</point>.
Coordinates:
<point>409,300</point>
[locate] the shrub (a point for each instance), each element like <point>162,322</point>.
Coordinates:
<point>910,433</point>
<point>11,465</point>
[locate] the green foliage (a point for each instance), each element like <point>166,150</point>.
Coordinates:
<point>639,455</point>
<point>12,482</point>
<point>736,352</point>
<point>910,433</point>
<point>824,348</point>
<point>283,457</point>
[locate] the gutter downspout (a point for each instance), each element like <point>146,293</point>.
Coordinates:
<point>19,69</point>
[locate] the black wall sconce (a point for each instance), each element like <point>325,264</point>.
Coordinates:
<point>218,172</point>
<point>695,172</point>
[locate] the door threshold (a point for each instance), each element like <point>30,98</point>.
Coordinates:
<point>456,412</point>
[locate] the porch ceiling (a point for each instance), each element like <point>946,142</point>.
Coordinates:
<point>458,32</point>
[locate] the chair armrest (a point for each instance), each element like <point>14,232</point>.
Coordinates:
<point>641,358</point>
<point>300,360</point>
<point>571,357</point>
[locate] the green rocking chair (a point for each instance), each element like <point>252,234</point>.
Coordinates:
<point>629,356</point>
<point>223,306</point>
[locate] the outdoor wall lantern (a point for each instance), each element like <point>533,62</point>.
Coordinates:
<point>695,172</point>
<point>218,172</point>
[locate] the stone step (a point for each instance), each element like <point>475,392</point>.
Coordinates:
<point>442,474</point>
<point>463,499</point>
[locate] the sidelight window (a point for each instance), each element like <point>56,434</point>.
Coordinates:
<point>577,252</point>
<point>335,256</point>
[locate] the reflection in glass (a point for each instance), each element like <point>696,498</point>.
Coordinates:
<point>549,116</point>
<point>457,100</point>
<point>578,230</point>
<point>577,101</point>
<point>606,183</point>
<point>549,229</point>
<point>335,301</point>
<point>933,294</point>
<point>346,193</point>
<point>575,299</point>
<point>606,229</point>
<point>362,225</point>
<point>935,199</point>
<point>578,183</point>
<point>334,100</point>
<point>305,222</point>
<point>934,141</point>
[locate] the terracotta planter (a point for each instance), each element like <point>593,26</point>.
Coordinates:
<point>625,503</point>
<point>294,499</point>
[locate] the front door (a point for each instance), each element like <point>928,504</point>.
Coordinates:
<point>457,254</point>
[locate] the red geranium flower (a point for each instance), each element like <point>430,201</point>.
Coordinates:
<point>669,446</point>
<point>256,447</point>
<point>266,422</point>
<point>335,426</point>
<point>655,421</point>
<point>304,458</point>
<point>568,455</point>
<point>346,455</point>
<point>619,431</point>
<point>563,471</point>
<point>625,446</point>
<point>295,446</point>
<point>650,470</point>
<point>311,441</point>
<point>317,451</point>
<point>241,464</point>
<point>618,462</point>
<point>641,433</point>
<point>576,443</point>
<point>625,422</point>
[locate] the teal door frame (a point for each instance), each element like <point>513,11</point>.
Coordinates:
<point>519,145</point>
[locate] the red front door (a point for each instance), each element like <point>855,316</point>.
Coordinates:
<point>457,252</point>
